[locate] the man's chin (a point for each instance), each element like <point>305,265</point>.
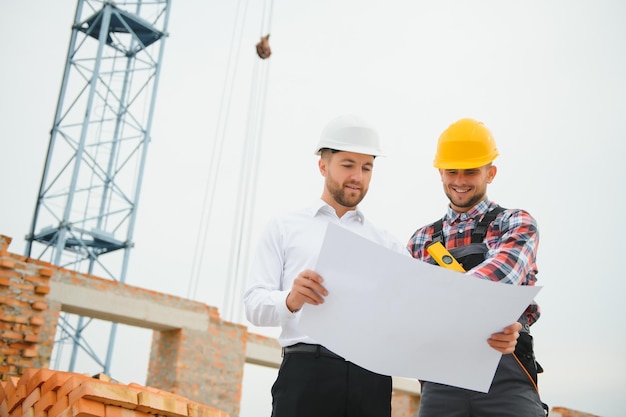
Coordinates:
<point>351,202</point>
<point>462,204</point>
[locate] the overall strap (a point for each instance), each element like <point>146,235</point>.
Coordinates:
<point>438,232</point>
<point>479,233</point>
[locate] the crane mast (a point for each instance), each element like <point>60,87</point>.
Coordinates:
<point>90,187</point>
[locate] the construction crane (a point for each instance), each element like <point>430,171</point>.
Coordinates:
<point>87,203</point>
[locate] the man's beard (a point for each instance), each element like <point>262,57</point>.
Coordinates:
<point>466,204</point>
<point>346,197</point>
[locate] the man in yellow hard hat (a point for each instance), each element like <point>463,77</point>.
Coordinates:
<point>312,380</point>
<point>491,243</point>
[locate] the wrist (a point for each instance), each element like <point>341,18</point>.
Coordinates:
<point>290,308</point>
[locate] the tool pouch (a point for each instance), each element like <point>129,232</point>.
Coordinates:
<point>525,354</point>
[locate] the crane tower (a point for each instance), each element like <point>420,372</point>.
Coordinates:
<point>87,202</point>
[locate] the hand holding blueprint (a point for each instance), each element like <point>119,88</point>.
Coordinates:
<point>398,316</point>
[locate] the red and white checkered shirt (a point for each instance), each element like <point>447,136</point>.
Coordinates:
<point>512,239</point>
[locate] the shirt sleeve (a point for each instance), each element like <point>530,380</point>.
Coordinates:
<point>265,298</point>
<point>512,253</point>
<point>417,243</point>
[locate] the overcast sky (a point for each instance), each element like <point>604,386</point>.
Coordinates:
<point>547,77</point>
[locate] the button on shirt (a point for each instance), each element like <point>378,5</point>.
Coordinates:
<point>289,245</point>
<point>512,240</point>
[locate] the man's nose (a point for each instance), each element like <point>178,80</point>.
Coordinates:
<point>459,178</point>
<point>357,175</point>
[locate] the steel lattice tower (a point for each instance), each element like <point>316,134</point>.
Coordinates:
<point>87,202</point>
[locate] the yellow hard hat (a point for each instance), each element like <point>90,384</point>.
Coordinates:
<point>465,144</point>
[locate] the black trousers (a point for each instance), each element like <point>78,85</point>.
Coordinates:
<point>310,385</point>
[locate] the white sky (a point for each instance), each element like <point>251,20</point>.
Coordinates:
<point>546,76</point>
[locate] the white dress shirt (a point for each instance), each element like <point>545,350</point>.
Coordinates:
<point>289,245</point>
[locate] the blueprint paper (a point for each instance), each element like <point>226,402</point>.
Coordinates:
<point>395,315</point>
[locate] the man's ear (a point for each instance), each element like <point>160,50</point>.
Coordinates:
<point>491,173</point>
<point>322,166</point>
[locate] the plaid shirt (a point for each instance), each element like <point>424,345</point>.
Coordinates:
<point>512,239</point>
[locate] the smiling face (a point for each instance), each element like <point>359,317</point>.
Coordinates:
<point>347,178</point>
<point>466,187</point>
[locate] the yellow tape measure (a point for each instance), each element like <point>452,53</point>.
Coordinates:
<point>443,257</point>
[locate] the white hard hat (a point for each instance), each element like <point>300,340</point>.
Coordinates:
<point>350,133</point>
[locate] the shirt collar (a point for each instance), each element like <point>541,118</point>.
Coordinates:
<point>475,212</point>
<point>320,207</point>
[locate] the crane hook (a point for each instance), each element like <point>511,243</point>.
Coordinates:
<point>263,47</point>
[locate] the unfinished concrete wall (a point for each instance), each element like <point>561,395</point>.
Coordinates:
<point>195,353</point>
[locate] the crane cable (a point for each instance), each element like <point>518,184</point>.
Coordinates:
<point>216,152</point>
<point>246,198</point>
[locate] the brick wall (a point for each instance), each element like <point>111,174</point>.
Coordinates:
<point>403,405</point>
<point>202,361</point>
<point>27,322</point>
<point>206,366</point>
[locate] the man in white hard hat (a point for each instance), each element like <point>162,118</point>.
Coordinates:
<point>312,380</point>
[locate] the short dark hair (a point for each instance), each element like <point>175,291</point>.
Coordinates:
<point>334,151</point>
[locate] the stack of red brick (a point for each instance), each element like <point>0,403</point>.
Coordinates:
<point>48,393</point>
<point>566,412</point>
